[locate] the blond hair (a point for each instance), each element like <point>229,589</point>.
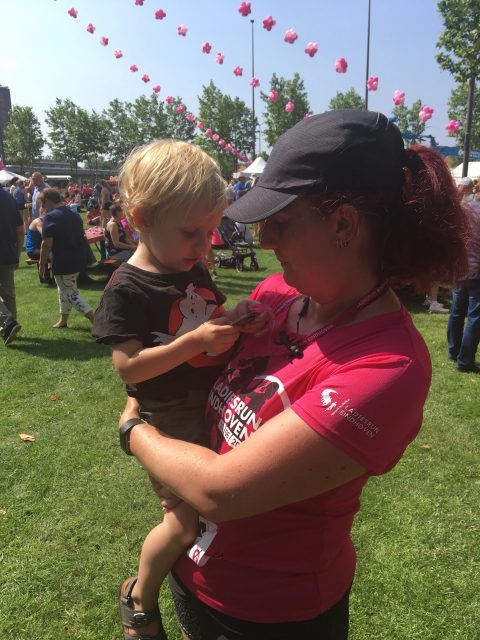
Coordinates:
<point>168,177</point>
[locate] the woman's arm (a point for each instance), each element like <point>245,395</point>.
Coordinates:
<point>284,462</point>
<point>135,363</point>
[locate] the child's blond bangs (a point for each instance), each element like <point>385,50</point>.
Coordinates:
<point>169,177</point>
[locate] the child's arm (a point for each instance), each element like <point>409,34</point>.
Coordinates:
<point>135,363</point>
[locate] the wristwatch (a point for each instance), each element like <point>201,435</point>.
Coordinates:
<point>124,432</point>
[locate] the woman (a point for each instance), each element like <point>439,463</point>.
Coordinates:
<point>333,393</point>
<point>116,242</point>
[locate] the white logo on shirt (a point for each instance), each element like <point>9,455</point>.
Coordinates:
<point>331,402</point>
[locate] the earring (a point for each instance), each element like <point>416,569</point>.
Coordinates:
<point>341,244</point>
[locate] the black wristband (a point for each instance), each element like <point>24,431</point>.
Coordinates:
<point>124,433</point>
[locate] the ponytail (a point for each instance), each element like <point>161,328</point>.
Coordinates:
<point>428,242</point>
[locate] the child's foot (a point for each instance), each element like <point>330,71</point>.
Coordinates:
<point>138,623</point>
<point>60,325</point>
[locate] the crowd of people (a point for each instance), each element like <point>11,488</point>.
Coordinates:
<point>314,368</point>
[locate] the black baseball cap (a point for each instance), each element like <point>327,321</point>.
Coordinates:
<point>340,149</point>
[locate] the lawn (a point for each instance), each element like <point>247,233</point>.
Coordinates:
<point>74,509</point>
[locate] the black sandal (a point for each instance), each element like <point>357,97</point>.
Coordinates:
<point>132,619</point>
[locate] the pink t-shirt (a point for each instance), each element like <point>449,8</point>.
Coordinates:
<point>362,387</point>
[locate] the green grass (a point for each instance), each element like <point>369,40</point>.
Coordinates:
<point>74,509</point>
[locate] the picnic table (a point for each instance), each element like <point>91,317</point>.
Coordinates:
<point>95,235</point>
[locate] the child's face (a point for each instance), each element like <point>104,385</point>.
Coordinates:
<point>179,243</point>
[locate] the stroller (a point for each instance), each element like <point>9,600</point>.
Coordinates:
<point>237,238</point>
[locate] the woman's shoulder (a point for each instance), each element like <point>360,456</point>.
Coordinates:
<point>275,286</point>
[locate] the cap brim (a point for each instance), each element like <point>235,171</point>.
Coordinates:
<point>258,204</point>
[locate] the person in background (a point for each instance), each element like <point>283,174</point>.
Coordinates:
<point>105,202</point>
<point>20,199</point>
<point>63,237</point>
<point>463,329</point>
<point>240,189</point>
<point>11,243</point>
<point>231,192</point>
<point>13,186</point>
<point>116,241</point>
<point>39,185</point>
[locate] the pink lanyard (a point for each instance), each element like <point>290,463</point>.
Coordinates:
<point>296,347</point>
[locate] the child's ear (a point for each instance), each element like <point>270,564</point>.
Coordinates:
<point>139,219</point>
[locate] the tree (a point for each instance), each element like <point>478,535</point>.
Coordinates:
<point>277,120</point>
<point>68,131</point>
<point>459,42</point>
<point>97,139</point>
<point>24,141</point>
<point>408,120</point>
<point>459,51</point>
<point>123,136</point>
<point>349,100</point>
<point>231,119</point>
<point>177,125</point>
<point>457,110</point>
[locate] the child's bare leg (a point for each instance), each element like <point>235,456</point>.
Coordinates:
<point>161,548</point>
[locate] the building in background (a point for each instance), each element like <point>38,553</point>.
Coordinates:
<point>5,106</point>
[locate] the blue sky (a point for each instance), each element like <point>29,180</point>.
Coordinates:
<point>47,54</point>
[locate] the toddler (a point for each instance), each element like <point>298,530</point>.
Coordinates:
<point>169,335</point>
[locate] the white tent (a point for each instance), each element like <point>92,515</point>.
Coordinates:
<point>6,176</point>
<point>473,170</point>
<point>256,168</point>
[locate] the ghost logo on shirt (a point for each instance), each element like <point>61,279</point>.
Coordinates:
<point>189,312</point>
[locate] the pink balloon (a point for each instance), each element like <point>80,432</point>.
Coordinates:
<point>221,142</point>
<point>139,3</point>
<point>268,23</point>
<point>372,83</point>
<point>208,133</point>
<point>156,88</point>
<point>118,54</point>
<point>104,41</point>
<point>341,65</point>
<point>90,28</point>
<point>215,137</point>
<point>206,47</point>
<point>228,147</point>
<point>289,107</point>
<point>245,9</point>
<point>133,68</point>
<point>273,95</point>
<point>425,113</point>
<point>182,30</point>
<point>398,97</point>
<point>190,117</point>
<point>200,124</point>
<point>452,127</point>
<point>160,14</point>
<point>180,108</point>
<point>238,71</point>
<point>290,36</point>
<point>73,12</point>
<point>254,82</point>
<point>220,58</point>
<point>169,99</point>
<point>145,78</point>
<point>311,49</point>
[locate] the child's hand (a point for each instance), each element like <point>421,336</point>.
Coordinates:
<point>249,316</point>
<point>216,336</point>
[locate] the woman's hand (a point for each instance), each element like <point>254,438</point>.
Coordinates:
<point>239,316</point>
<point>130,410</point>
